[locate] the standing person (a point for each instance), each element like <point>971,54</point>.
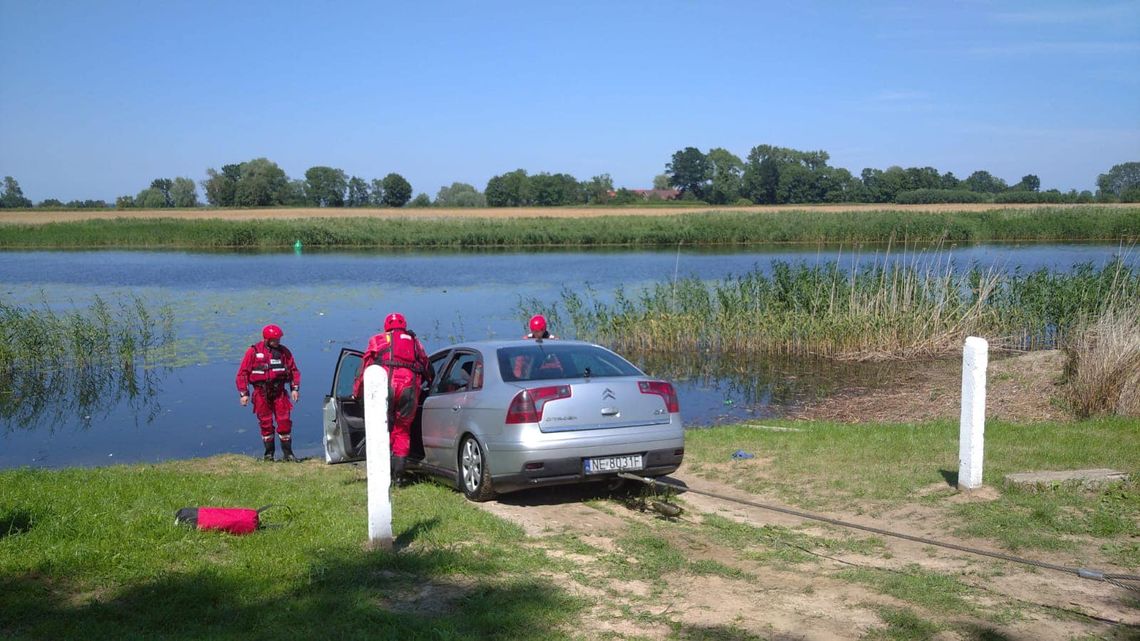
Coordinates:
<point>538,328</point>
<point>402,355</point>
<point>268,366</point>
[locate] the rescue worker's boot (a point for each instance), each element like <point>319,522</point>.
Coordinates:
<point>399,477</point>
<point>269,451</point>
<point>287,451</point>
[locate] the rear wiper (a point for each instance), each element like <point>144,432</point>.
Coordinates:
<point>586,373</point>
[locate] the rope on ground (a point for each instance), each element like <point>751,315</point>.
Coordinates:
<point>1084,573</point>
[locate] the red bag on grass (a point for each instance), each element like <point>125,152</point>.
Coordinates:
<point>235,520</point>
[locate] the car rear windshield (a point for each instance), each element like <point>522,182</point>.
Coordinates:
<point>549,360</point>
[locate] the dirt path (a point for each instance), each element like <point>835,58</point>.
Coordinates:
<point>41,217</point>
<point>793,588</point>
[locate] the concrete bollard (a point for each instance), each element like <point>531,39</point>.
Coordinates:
<point>971,438</point>
<point>376,448</point>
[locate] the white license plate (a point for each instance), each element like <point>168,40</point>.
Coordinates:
<point>604,464</point>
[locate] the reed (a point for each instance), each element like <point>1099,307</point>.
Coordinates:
<point>1102,368</point>
<point>881,311</point>
<point>55,364</point>
<point>1116,224</point>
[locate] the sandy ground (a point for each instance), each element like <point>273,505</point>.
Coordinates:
<point>34,217</point>
<point>811,599</point>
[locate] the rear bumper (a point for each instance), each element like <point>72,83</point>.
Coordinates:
<point>562,471</point>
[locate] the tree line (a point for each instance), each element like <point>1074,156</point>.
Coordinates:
<point>769,175</point>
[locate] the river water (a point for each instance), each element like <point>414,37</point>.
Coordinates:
<point>187,406</point>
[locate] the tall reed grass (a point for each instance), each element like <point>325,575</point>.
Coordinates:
<point>79,362</point>
<point>1117,224</point>
<point>881,311</point>
<point>1102,368</point>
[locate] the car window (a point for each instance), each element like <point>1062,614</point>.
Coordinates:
<point>465,372</point>
<point>547,361</point>
<point>437,362</point>
<point>346,373</point>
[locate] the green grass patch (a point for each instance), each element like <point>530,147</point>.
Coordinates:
<point>903,625</point>
<point>936,593</point>
<point>1090,222</point>
<point>1044,520</point>
<point>89,553</point>
<point>850,469</point>
<point>783,547</point>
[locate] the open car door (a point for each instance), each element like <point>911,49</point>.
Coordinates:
<point>344,415</point>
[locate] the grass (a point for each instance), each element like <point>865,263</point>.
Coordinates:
<point>90,553</point>
<point>872,469</point>
<point>877,311</point>
<point>94,553</point>
<point>1115,224</point>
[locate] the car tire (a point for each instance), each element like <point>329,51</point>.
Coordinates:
<point>474,476</point>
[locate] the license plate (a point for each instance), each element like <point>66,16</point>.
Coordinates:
<point>604,464</point>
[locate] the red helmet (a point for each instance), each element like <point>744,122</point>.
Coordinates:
<point>395,320</point>
<point>271,331</point>
<point>538,323</point>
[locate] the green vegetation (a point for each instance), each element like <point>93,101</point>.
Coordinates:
<point>874,312</point>
<point>1114,224</point>
<point>873,468</point>
<point>93,553</point>
<point>93,357</point>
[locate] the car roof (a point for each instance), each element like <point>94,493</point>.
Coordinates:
<point>492,344</point>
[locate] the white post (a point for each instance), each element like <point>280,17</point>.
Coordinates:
<point>377,450</point>
<point>971,438</point>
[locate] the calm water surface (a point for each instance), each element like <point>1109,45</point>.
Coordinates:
<point>325,301</point>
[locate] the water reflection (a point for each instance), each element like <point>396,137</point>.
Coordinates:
<point>43,398</point>
<point>720,387</point>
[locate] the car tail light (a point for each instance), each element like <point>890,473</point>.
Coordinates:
<point>664,390</point>
<point>527,405</point>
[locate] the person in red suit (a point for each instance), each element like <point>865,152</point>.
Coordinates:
<point>402,355</point>
<point>268,366</point>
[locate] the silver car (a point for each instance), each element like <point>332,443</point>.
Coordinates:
<point>507,415</point>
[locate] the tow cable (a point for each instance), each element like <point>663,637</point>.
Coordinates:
<point>1084,573</point>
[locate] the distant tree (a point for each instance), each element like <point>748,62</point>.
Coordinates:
<point>262,184</point>
<point>50,203</point>
<point>727,170</point>
<point>376,198</point>
<point>660,181</point>
<point>460,195</point>
<point>125,202</point>
<point>599,188</point>
<point>761,178</point>
<point>163,186</point>
<point>183,193</point>
<point>13,197</point>
<point>949,181</point>
<point>689,171</point>
<point>325,186</point>
<point>1028,182</point>
<point>509,190</point>
<point>984,182</point>
<point>552,190</point>
<point>922,178</point>
<point>358,192</point>
<point>1120,179</point>
<point>421,200</point>
<point>397,190</point>
<point>220,187</point>
<point>624,196</point>
<point>151,198</point>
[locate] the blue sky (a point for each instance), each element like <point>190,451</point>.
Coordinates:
<point>99,97</point>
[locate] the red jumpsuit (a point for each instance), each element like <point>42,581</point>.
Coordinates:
<point>402,355</point>
<point>268,369</point>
